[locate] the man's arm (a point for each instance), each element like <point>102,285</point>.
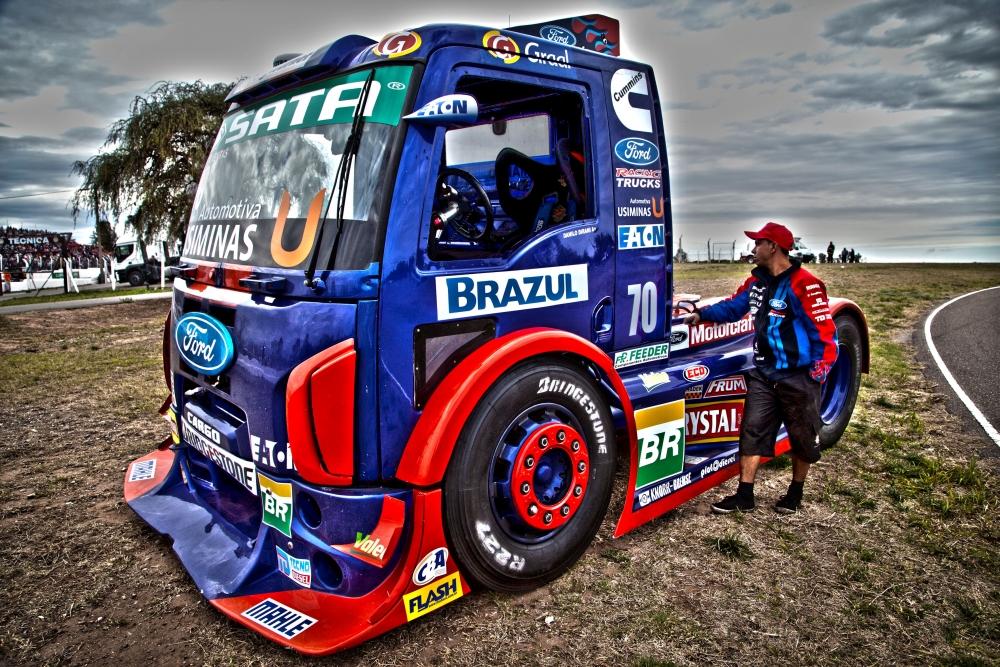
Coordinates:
<point>732,309</point>
<point>811,293</point>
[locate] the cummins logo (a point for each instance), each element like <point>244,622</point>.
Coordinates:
<point>623,83</point>
<point>507,291</point>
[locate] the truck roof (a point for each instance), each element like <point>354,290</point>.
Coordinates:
<point>415,44</point>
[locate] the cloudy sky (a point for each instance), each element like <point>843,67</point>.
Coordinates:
<point>872,124</point>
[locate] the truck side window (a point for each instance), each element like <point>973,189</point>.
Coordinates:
<point>521,171</point>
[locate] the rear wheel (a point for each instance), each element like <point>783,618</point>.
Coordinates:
<point>135,279</point>
<point>531,476</point>
<point>840,391</point>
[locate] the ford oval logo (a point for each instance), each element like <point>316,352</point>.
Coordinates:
<point>637,151</point>
<point>677,337</point>
<point>554,33</point>
<point>204,343</point>
<point>778,304</point>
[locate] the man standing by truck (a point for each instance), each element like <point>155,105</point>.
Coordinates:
<point>795,346</point>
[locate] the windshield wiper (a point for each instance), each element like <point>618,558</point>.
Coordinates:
<point>341,181</point>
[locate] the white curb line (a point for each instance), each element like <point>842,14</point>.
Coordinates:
<point>83,303</point>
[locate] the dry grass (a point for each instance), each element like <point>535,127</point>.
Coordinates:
<point>893,559</point>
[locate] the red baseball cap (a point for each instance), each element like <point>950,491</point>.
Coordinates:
<point>774,232</point>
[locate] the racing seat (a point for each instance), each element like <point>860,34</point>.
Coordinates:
<point>553,195</point>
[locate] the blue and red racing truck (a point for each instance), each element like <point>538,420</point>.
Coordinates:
<point>424,303</point>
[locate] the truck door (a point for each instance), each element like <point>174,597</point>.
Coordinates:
<point>546,261</point>
<point>642,217</point>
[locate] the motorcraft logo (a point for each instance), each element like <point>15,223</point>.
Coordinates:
<point>481,294</point>
<point>430,567</point>
<point>427,599</point>
<point>638,178</point>
<point>627,82</point>
<point>641,355</point>
<point>277,500</point>
<point>554,33</point>
<point>734,385</point>
<point>640,236</point>
<point>397,44</point>
<point>502,46</point>
<point>707,332</point>
<point>660,433</point>
<point>637,151</point>
<point>695,373</point>
<point>204,343</point>
<point>714,422</point>
<point>298,570</point>
<point>278,618</point>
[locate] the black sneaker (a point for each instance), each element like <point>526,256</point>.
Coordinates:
<point>788,504</point>
<point>731,504</point>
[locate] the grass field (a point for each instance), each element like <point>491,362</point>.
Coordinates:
<point>82,294</point>
<point>893,560</point>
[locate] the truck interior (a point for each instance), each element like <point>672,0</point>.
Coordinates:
<point>525,168</point>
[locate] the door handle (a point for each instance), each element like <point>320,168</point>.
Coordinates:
<point>603,321</point>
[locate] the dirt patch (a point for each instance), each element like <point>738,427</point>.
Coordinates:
<point>893,559</point>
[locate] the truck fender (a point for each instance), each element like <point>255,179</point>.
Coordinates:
<point>428,450</point>
<point>837,306</point>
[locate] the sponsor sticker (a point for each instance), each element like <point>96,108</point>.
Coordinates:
<point>459,108</point>
<point>695,373</point>
<point>777,304</point>
<point>480,294</point>
<point>714,422</point>
<point>640,355</point>
<point>717,465</point>
<point>502,46</point>
<point>377,547</point>
<point>660,432</point>
<point>277,500</point>
<point>679,338</point>
<point>244,472</point>
<point>554,33</point>
<point>693,393</point>
<point>638,178</point>
<point>270,453</point>
<point>427,599</point>
<point>707,332</point>
<point>298,570</point>
<point>627,82</point>
<point>430,567</point>
<point>640,236</point>
<point>534,52</point>
<point>279,619</point>
<point>637,151</point>
<point>664,489</point>
<point>397,44</point>
<point>734,385</point>
<point>142,471</point>
<point>653,380</point>
<point>204,343</point>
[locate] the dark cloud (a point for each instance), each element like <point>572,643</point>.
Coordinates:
<point>698,15</point>
<point>33,165</point>
<point>48,44</point>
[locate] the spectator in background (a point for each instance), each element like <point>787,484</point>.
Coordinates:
<point>829,252</point>
<point>850,256</point>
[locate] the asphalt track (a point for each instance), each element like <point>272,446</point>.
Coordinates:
<point>965,334</point>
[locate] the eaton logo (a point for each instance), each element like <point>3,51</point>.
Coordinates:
<point>204,343</point>
<point>640,236</point>
<point>778,304</point>
<point>508,291</point>
<point>554,33</point>
<point>637,151</point>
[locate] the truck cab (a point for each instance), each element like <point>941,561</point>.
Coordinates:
<point>424,303</point>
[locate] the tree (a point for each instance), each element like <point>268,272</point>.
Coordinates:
<point>104,235</point>
<point>153,160</point>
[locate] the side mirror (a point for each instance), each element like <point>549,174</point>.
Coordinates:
<point>457,109</point>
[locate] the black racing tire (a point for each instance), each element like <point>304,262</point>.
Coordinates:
<point>483,547</point>
<point>135,279</point>
<point>840,392</point>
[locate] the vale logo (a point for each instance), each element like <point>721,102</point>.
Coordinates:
<point>204,343</point>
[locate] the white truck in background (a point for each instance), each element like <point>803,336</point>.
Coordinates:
<point>138,263</point>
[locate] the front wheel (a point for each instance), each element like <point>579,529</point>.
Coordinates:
<point>531,476</point>
<point>840,391</point>
<point>136,279</point>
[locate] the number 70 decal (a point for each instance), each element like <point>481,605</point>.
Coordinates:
<point>644,300</point>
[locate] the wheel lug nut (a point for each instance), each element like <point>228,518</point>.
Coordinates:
<point>576,445</point>
<point>560,436</point>
<point>565,510</point>
<point>543,442</point>
<point>581,466</point>
<point>529,462</point>
<point>578,490</point>
<point>525,488</point>
<point>547,518</point>
<point>532,510</point>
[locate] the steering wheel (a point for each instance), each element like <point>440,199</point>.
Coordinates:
<point>455,207</point>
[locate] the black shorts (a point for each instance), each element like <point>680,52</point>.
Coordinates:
<point>793,401</point>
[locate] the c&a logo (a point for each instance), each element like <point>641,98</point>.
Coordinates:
<point>501,46</point>
<point>397,44</point>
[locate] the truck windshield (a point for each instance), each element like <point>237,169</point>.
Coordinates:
<point>270,177</point>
